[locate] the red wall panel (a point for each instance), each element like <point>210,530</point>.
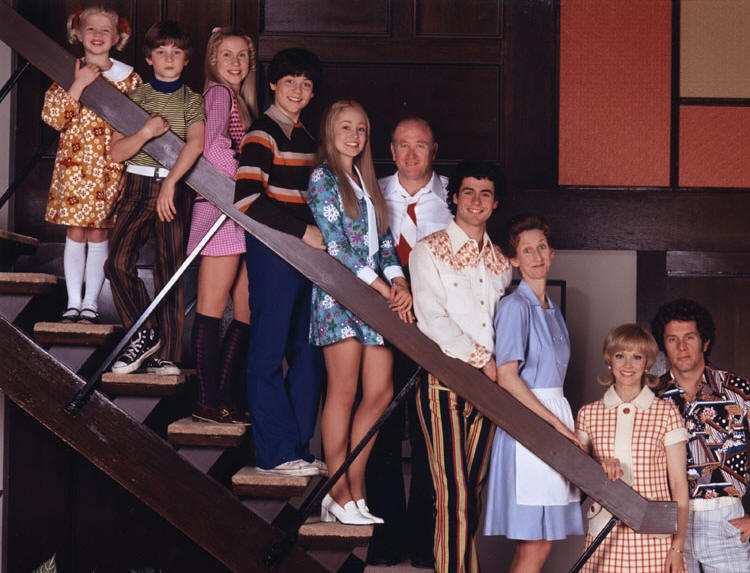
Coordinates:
<point>615,61</point>
<point>713,146</point>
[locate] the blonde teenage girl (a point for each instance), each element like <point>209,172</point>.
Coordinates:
<point>352,216</point>
<point>230,102</point>
<point>84,179</point>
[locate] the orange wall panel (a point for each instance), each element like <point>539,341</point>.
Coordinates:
<point>713,146</point>
<point>615,78</point>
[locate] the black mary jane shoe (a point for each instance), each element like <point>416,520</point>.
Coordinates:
<point>70,315</point>
<point>88,316</point>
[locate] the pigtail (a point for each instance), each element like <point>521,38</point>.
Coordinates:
<point>123,28</point>
<point>74,21</point>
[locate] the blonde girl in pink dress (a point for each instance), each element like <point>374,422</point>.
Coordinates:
<point>230,102</point>
<point>84,180</point>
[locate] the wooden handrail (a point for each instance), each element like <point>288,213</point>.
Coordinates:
<point>530,430</point>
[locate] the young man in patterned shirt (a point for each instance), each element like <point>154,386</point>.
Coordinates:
<point>714,404</point>
<point>458,276</point>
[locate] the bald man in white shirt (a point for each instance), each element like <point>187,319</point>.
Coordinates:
<point>416,199</point>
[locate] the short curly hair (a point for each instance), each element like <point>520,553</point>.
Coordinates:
<point>478,170</point>
<point>686,310</point>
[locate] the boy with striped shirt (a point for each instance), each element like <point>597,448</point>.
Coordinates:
<point>154,200</point>
<point>277,156</point>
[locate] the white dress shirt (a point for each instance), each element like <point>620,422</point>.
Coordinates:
<point>431,208</point>
<point>456,288</point>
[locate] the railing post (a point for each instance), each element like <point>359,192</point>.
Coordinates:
<point>594,544</point>
<point>13,80</point>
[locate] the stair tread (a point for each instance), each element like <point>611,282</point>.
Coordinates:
<point>146,378</point>
<point>251,476</point>
<point>190,426</point>
<point>31,283</point>
<point>74,333</point>
<point>18,238</point>
<point>333,534</point>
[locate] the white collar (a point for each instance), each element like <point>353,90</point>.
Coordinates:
<point>434,185</point>
<point>372,221</point>
<point>118,72</point>
<point>642,400</point>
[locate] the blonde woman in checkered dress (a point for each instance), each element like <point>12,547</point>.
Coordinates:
<point>640,440</point>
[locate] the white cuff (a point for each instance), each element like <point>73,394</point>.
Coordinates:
<point>392,272</point>
<point>367,275</point>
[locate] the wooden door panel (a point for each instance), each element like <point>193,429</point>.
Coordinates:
<point>458,17</point>
<point>329,17</point>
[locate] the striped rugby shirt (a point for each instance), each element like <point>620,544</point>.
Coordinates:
<point>181,108</point>
<point>276,158</point>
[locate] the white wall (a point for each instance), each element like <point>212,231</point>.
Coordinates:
<point>601,293</point>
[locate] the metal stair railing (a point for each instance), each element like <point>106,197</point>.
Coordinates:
<point>493,402</point>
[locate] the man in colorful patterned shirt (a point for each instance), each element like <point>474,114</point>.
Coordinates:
<point>715,406</point>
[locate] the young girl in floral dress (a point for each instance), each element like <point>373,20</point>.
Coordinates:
<point>84,179</point>
<point>352,216</point>
<point>231,105</point>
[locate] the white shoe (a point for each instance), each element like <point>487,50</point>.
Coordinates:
<point>154,365</point>
<point>364,510</point>
<point>292,468</point>
<point>320,465</point>
<point>331,511</point>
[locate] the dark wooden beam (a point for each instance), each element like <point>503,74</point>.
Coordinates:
<point>496,404</point>
<point>640,219</point>
<point>701,264</point>
<point>137,458</point>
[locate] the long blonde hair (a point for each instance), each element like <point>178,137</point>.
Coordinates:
<point>327,154</point>
<point>122,26</point>
<point>248,99</point>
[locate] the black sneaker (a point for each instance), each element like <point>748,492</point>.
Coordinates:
<point>156,365</point>
<point>142,345</point>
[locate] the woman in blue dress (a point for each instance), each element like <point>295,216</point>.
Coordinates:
<point>527,500</point>
<point>352,216</point>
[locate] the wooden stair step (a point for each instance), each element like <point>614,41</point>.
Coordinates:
<point>249,482</point>
<point>11,237</point>
<point>315,533</point>
<point>13,245</point>
<point>73,333</point>
<point>29,283</point>
<point>188,432</point>
<point>144,384</point>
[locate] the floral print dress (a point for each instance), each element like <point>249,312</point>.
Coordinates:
<point>347,241</point>
<point>84,180</point>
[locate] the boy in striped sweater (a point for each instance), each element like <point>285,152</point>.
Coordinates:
<point>154,200</point>
<point>277,156</point>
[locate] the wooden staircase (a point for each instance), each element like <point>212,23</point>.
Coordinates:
<point>260,502</point>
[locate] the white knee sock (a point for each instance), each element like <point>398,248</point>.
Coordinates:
<point>94,274</point>
<point>74,259</point>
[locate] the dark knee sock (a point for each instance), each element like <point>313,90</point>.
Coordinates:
<point>205,342</point>
<point>233,362</point>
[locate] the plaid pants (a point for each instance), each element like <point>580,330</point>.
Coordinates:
<point>713,543</point>
<point>136,221</point>
<point>458,441</point>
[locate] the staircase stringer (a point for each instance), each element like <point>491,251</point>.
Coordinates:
<point>138,459</point>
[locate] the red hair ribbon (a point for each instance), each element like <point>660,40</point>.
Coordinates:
<point>77,19</point>
<point>123,26</point>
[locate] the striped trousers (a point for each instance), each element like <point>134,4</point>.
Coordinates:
<point>136,220</point>
<point>459,441</point>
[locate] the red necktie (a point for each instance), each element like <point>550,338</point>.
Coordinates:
<point>408,234</point>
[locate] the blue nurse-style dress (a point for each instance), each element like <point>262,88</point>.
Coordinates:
<point>527,499</point>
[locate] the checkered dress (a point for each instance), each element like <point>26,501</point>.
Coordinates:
<point>654,426</point>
